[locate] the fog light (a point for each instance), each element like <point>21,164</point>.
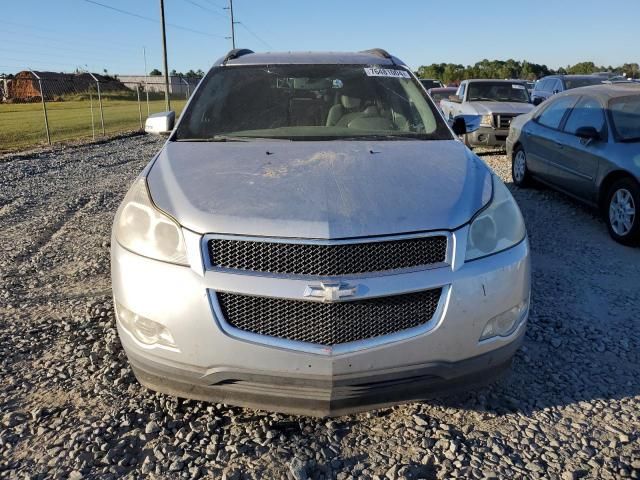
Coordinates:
<point>506,323</point>
<point>144,330</point>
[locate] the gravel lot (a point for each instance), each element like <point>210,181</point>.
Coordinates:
<point>71,408</point>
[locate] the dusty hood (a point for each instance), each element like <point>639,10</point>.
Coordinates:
<point>484,108</point>
<point>333,189</point>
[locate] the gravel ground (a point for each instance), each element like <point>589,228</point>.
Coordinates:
<point>71,408</point>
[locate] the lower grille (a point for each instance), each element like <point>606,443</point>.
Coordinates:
<point>328,323</point>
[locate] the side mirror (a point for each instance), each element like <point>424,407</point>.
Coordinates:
<point>160,123</point>
<point>463,124</point>
<point>588,133</point>
<point>455,98</point>
<point>537,101</point>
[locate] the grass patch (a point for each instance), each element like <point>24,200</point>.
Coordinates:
<point>22,125</point>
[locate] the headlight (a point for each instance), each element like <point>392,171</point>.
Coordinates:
<point>145,230</point>
<point>486,120</point>
<point>498,227</point>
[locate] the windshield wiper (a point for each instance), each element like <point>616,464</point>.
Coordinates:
<point>390,136</point>
<point>227,138</point>
<point>216,138</point>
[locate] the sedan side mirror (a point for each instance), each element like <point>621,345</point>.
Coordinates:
<point>160,123</point>
<point>537,101</point>
<point>588,133</point>
<point>463,124</point>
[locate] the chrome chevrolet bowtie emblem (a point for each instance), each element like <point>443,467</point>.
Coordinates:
<point>330,291</point>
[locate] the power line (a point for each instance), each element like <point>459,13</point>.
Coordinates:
<point>207,9</point>
<point>12,34</point>
<point>40,47</point>
<point>149,19</point>
<point>219,5</point>
<point>264,42</point>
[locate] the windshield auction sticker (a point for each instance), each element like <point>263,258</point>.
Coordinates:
<point>386,72</point>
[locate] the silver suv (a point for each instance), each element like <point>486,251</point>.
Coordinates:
<point>313,238</point>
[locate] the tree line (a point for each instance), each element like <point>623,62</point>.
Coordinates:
<point>190,74</point>
<point>454,73</point>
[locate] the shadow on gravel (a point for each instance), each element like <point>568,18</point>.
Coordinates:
<point>490,153</point>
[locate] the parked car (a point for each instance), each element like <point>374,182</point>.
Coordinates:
<point>430,83</point>
<point>553,84</point>
<point>439,94</point>
<point>496,101</point>
<point>313,238</point>
<point>586,142</point>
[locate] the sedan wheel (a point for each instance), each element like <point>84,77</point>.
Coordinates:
<point>622,212</point>
<point>519,171</point>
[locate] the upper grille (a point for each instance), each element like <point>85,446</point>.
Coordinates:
<point>503,120</point>
<point>328,323</point>
<point>327,260</point>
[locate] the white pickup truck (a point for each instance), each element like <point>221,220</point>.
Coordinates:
<point>497,102</point>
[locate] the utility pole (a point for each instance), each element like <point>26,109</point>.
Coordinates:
<point>167,101</point>
<point>146,73</point>
<point>233,25</point>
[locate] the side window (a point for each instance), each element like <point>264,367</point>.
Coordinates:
<point>554,113</point>
<point>587,113</point>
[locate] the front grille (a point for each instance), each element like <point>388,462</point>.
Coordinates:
<point>328,323</point>
<point>503,120</point>
<point>327,260</point>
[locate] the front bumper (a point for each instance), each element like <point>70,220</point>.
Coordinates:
<point>211,364</point>
<point>488,137</point>
<point>337,395</point>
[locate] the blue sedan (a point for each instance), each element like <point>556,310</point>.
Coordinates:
<point>585,142</point>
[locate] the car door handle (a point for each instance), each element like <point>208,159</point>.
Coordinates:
<point>559,145</point>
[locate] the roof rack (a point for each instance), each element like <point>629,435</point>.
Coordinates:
<point>236,53</point>
<point>379,52</point>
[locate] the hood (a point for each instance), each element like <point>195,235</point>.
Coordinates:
<point>321,190</point>
<point>485,108</point>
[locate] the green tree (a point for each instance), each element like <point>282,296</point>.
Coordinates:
<point>584,68</point>
<point>155,72</point>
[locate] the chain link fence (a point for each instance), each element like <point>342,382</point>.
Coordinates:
<point>43,107</point>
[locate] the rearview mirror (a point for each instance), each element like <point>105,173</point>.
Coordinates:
<point>588,133</point>
<point>160,123</point>
<point>463,124</point>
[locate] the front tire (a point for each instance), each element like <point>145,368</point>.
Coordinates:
<point>519,171</point>
<point>622,212</point>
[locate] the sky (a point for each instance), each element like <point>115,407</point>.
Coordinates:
<point>63,35</point>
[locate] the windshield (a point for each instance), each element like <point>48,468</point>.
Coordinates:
<point>310,102</point>
<point>625,112</point>
<point>581,82</point>
<point>497,92</point>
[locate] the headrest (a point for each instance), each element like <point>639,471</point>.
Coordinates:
<point>350,102</point>
<point>371,111</point>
